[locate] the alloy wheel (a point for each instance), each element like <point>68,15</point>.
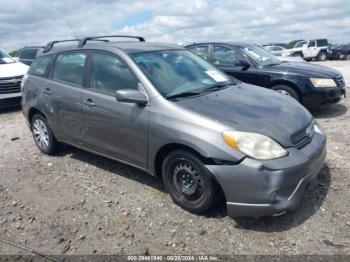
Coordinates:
<point>41,134</point>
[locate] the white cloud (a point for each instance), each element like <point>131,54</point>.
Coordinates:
<point>33,22</point>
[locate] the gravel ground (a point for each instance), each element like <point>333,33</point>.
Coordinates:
<point>80,203</point>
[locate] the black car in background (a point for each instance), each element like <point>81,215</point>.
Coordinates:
<point>341,52</point>
<point>310,84</point>
<point>26,55</point>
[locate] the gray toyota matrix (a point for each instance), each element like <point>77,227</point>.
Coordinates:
<point>162,109</point>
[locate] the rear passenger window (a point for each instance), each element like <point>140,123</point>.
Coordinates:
<point>201,51</point>
<point>109,74</point>
<point>69,67</point>
<point>40,65</point>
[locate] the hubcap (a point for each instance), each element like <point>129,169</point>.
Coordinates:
<point>187,181</point>
<point>41,135</point>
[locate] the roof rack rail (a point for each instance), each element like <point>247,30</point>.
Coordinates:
<point>50,45</point>
<point>84,40</point>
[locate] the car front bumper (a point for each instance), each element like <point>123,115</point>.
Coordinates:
<point>324,96</point>
<point>11,99</point>
<point>260,188</point>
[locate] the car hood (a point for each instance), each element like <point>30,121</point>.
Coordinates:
<point>13,69</point>
<point>305,69</point>
<point>250,108</point>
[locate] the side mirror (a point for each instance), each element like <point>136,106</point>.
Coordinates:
<point>131,96</point>
<point>243,63</point>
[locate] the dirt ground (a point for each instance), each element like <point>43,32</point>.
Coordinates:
<point>80,203</point>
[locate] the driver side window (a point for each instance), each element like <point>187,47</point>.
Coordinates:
<point>110,73</point>
<point>223,55</point>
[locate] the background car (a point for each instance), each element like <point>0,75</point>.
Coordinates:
<point>26,55</point>
<point>275,50</point>
<point>11,74</point>
<point>310,84</point>
<point>311,49</point>
<point>339,52</point>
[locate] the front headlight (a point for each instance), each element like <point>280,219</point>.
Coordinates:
<point>254,145</point>
<point>323,82</point>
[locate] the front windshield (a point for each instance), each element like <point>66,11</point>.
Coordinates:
<point>260,55</point>
<point>5,58</point>
<point>299,44</point>
<point>175,72</point>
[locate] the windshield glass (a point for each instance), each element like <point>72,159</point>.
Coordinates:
<point>299,44</point>
<point>260,55</point>
<point>5,58</point>
<point>175,72</point>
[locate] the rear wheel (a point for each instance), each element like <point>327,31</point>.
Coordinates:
<point>298,54</point>
<point>188,182</point>
<point>322,56</point>
<point>286,90</point>
<point>43,136</point>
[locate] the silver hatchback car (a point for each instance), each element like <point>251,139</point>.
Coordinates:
<point>162,109</point>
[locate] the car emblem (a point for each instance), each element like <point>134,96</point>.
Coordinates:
<point>309,131</point>
<point>15,81</point>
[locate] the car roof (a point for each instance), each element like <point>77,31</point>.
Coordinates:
<point>235,44</point>
<point>31,47</point>
<point>126,47</point>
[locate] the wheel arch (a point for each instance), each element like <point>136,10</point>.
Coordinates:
<point>289,84</point>
<point>167,148</point>
<point>33,111</point>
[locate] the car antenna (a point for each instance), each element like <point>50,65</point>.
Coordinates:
<point>70,27</point>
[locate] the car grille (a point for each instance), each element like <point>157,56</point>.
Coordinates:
<point>340,81</point>
<point>10,85</point>
<point>304,136</point>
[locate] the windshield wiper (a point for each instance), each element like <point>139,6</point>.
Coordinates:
<point>217,86</point>
<point>183,94</point>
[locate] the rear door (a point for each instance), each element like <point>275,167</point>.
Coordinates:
<point>63,95</point>
<point>112,128</point>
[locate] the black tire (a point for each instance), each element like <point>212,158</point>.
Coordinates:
<point>180,166</point>
<point>46,140</point>
<point>322,56</point>
<point>287,90</point>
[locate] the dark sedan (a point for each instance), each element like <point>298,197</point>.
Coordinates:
<point>310,84</point>
<point>341,52</point>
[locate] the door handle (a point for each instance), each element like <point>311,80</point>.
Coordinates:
<point>89,103</point>
<point>47,91</point>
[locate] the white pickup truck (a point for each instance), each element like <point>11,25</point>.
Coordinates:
<point>311,49</point>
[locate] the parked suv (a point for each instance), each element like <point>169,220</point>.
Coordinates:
<point>11,73</point>
<point>160,108</point>
<point>312,49</point>
<point>26,55</point>
<point>310,84</point>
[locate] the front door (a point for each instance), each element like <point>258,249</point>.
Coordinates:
<point>112,128</point>
<point>233,63</point>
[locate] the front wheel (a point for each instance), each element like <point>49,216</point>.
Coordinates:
<point>43,135</point>
<point>286,90</point>
<point>188,182</point>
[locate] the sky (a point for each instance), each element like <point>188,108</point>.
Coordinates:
<point>36,22</point>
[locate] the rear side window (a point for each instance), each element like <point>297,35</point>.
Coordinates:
<point>201,51</point>
<point>29,54</point>
<point>69,67</point>
<point>40,65</point>
<point>109,74</point>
